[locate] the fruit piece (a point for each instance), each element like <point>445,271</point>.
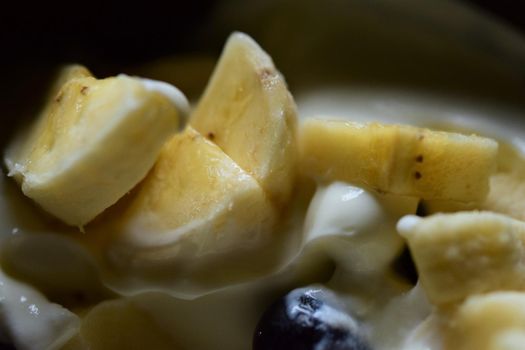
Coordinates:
<point>95,141</point>
<point>466,253</point>
<point>494,321</point>
<point>19,147</point>
<point>507,191</point>
<point>119,324</point>
<point>507,188</point>
<point>308,318</point>
<point>195,203</point>
<point>248,112</point>
<point>399,159</point>
<point>67,73</point>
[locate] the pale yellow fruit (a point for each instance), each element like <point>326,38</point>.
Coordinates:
<point>506,196</point>
<point>494,321</point>
<point>248,112</point>
<point>19,147</point>
<point>94,142</point>
<point>465,253</point>
<point>507,188</point>
<point>120,325</point>
<point>65,74</point>
<point>398,159</point>
<point>195,203</point>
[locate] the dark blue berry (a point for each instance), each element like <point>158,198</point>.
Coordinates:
<point>308,319</point>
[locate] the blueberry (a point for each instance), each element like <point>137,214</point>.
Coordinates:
<point>308,319</point>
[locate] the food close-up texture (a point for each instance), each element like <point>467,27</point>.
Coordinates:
<point>344,177</point>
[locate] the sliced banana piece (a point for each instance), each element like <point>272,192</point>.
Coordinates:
<point>494,321</point>
<point>507,185</point>
<point>94,142</point>
<point>398,159</point>
<point>248,112</point>
<point>65,74</point>
<point>507,188</point>
<point>196,203</point>
<point>466,253</point>
<point>20,148</point>
<point>120,325</point>
<point>506,196</point>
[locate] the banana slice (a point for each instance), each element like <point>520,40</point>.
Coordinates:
<point>248,112</point>
<point>506,196</point>
<point>118,325</point>
<point>95,141</point>
<point>20,148</point>
<point>466,253</point>
<point>494,321</point>
<point>67,73</point>
<point>398,159</point>
<point>507,188</point>
<point>196,203</point>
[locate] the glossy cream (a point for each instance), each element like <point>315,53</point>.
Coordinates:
<point>340,219</point>
<point>30,321</point>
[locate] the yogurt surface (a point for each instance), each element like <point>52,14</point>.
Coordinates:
<point>340,218</point>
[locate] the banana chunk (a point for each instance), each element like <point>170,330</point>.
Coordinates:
<point>466,253</point>
<point>95,140</point>
<point>507,188</point>
<point>119,324</point>
<point>65,74</point>
<point>20,147</point>
<point>495,321</point>
<point>195,203</point>
<point>248,112</point>
<point>398,159</point>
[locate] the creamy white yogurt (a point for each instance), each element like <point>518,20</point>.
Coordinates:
<point>346,225</point>
<point>31,322</point>
<point>357,227</point>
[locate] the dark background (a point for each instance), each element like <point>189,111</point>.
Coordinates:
<point>103,34</point>
<point>510,11</point>
<point>107,35</point>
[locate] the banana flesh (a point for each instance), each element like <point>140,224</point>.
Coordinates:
<point>248,112</point>
<point>195,203</point>
<point>216,188</point>
<point>494,321</point>
<point>403,160</point>
<point>134,327</point>
<point>507,188</point>
<point>95,140</point>
<point>466,253</point>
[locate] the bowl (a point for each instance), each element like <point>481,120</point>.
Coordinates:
<point>419,62</point>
